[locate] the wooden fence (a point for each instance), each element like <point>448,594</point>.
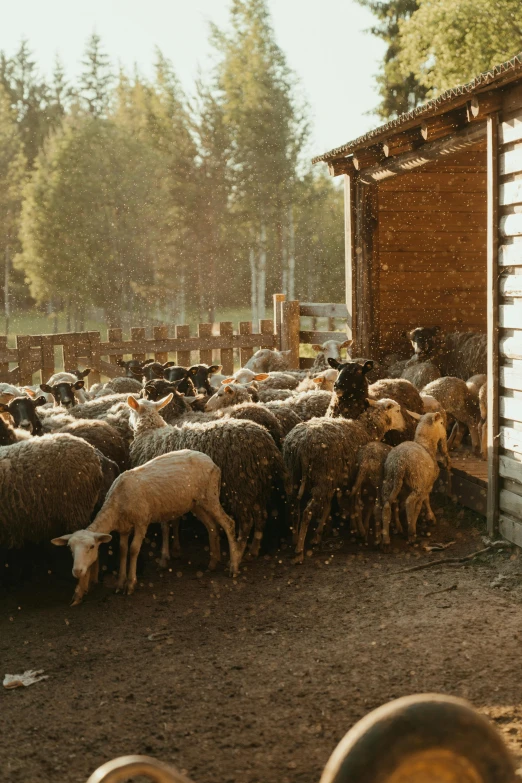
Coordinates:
<point>44,354</point>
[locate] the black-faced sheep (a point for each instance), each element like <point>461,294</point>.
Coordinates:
<point>321,456</point>
<point>458,354</point>
<point>350,389</point>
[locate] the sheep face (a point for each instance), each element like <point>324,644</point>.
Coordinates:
<point>200,374</point>
<point>228,394</point>
<point>63,392</point>
<point>267,359</point>
<point>84,545</point>
<point>141,408</point>
<point>133,368</point>
<point>23,412</point>
<point>332,348</point>
<point>425,340</point>
<point>175,372</point>
<point>393,413</point>
<point>351,382</point>
<point>246,376</point>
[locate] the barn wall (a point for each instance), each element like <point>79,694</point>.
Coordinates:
<point>432,248</point>
<point>510,316</point>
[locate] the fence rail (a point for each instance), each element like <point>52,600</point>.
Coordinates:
<point>219,343</point>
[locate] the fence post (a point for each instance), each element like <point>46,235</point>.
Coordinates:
<point>25,365</point>
<point>205,355</point>
<point>94,358</point>
<point>47,352</point>
<point>138,333</point>
<point>183,357</point>
<point>277,300</point>
<point>161,333</point>
<point>115,336</point>
<point>4,366</point>
<point>290,331</point>
<point>226,328</point>
<point>245,327</point>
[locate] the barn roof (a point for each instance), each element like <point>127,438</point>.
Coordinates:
<point>453,98</point>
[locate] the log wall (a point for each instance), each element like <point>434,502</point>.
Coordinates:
<point>432,248</point>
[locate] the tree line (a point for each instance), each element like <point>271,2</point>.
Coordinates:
<point>121,192</point>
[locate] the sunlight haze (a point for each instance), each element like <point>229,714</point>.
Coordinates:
<point>324,40</point>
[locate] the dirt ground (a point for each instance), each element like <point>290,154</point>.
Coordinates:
<point>256,679</point>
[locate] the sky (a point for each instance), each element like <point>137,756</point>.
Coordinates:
<point>324,40</point>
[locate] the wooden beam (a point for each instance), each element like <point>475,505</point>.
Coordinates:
<point>323,310</point>
<point>340,166</point>
<point>349,255</point>
<point>369,156</point>
<point>493,324</point>
<point>428,153</point>
<point>366,273</point>
<point>402,142</point>
<point>484,104</point>
<point>437,127</point>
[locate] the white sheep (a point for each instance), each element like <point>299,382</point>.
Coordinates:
<point>162,490</point>
<point>324,381</point>
<point>331,349</point>
<point>413,466</point>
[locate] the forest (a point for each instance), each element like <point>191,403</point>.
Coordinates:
<point>124,194</point>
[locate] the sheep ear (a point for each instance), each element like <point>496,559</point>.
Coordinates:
<point>86,372</point>
<point>413,415</point>
<point>79,385</point>
<point>226,381</point>
<point>229,389</point>
<point>437,416</point>
<point>261,376</point>
<point>46,388</point>
<point>346,344</point>
<point>317,380</point>
<point>367,366</point>
<point>371,403</point>
<point>334,364</point>
<point>102,538</point>
<point>215,368</point>
<point>132,402</point>
<point>29,391</point>
<point>317,347</point>
<point>165,401</point>
<point>61,540</point>
<point>121,363</point>
<point>3,408</point>
<point>40,401</point>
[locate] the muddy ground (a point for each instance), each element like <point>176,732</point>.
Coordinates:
<point>256,679</point>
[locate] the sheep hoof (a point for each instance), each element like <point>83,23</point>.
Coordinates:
<point>129,587</point>
<point>76,600</point>
<point>298,559</point>
<point>385,547</point>
<point>212,565</point>
<point>164,562</point>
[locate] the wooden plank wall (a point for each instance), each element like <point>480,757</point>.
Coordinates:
<point>432,248</point>
<point>510,317</point>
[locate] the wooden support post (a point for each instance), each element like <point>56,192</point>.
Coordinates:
<point>161,333</point>
<point>115,336</point>
<point>183,357</point>
<point>367,270</point>
<point>277,299</point>
<point>493,323</point>
<point>290,332</point>
<point>70,351</point>
<point>205,356</point>
<point>349,261</point>
<point>138,333</point>
<point>245,327</point>
<point>227,354</point>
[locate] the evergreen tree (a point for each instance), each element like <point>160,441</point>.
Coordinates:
<point>96,78</point>
<point>400,89</point>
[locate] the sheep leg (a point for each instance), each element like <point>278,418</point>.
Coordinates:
<point>135,547</point>
<point>259,527</point>
<point>210,523</point>
<point>81,589</point>
<point>312,508</point>
<point>457,434</point>
<point>429,511</point>
<point>390,492</point>
<point>122,575</point>
<point>364,524</point>
<point>397,518</point>
<point>165,545</point>
<point>475,440</point>
<point>176,546</point>
<point>320,527</point>
<point>413,507</point>
<point>229,526</point>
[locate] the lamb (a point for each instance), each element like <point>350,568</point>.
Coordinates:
<point>320,457</point>
<point>350,389</point>
<point>366,490</point>
<point>414,466</point>
<point>420,373</point>
<point>455,397</point>
<point>324,381</point>
<point>249,460</point>
<point>456,354</point>
<point>162,490</point>
<point>267,360</point>
<point>47,485</point>
<point>331,349</point>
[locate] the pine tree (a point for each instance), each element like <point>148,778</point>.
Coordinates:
<point>96,78</point>
<point>400,91</point>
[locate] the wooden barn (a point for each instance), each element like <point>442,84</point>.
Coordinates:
<point>433,227</point>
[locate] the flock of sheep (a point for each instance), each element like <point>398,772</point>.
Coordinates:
<point>350,438</point>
